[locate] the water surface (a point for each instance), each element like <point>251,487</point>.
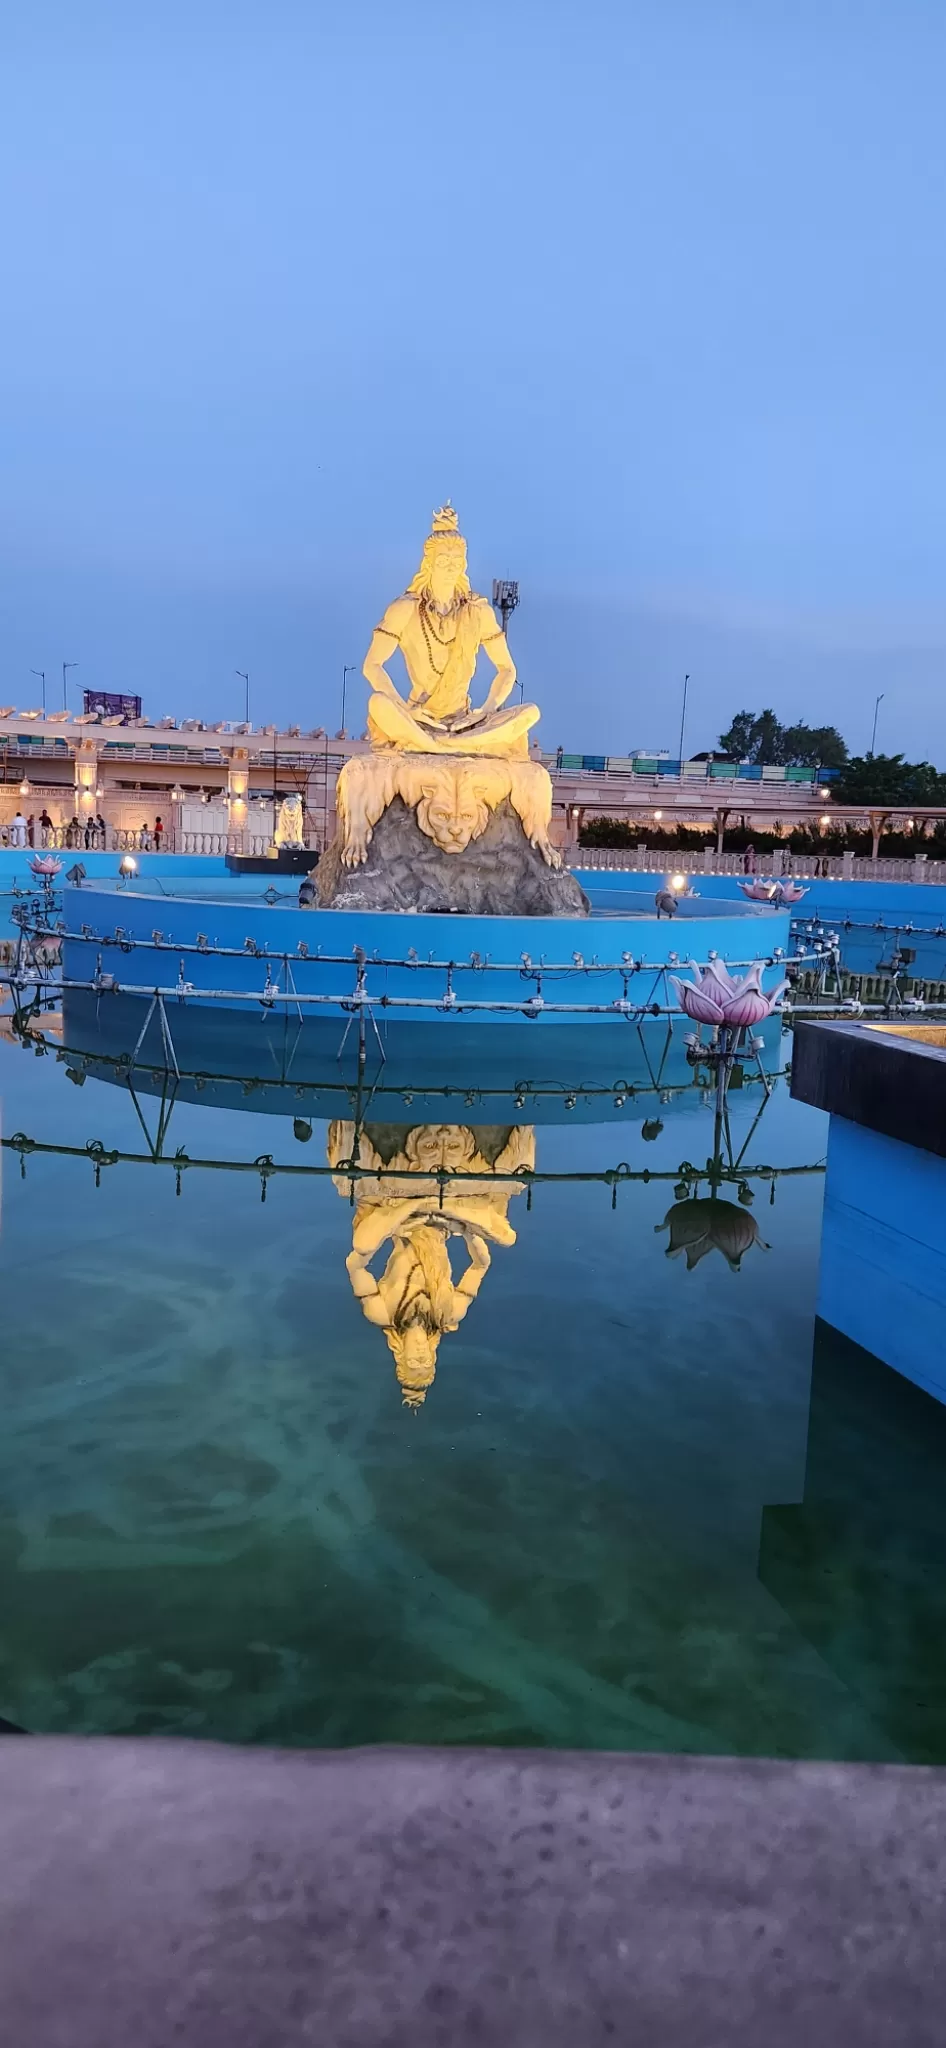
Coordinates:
<point>630,1511</point>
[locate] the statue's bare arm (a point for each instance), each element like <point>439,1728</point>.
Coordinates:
<point>468,1287</point>
<point>365,1289</point>
<point>384,640</point>
<point>494,647</point>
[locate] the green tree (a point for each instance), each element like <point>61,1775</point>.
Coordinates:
<point>765,742</point>
<point>888,778</point>
<point>812,746</point>
<point>738,740</point>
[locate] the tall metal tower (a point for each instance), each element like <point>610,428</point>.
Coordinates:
<point>505,598</point>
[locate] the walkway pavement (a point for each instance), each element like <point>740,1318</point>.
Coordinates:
<point>187,1896</point>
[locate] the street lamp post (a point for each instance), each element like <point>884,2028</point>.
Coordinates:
<point>41,673</point>
<point>244,678</point>
<point>66,664</point>
<point>683,719</point>
<point>877,704</point>
<point>348,670</point>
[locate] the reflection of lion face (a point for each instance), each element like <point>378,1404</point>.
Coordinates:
<point>428,1146</point>
<point>453,808</point>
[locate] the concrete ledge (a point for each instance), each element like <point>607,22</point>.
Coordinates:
<point>891,1080</point>
<point>157,1893</point>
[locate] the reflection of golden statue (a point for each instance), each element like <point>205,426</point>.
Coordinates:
<point>416,1297</point>
<point>440,624</point>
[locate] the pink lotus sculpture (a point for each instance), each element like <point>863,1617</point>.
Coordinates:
<point>789,892</point>
<point>718,998</point>
<point>45,864</point>
<point>759,892</point>
<point>705,1224</point>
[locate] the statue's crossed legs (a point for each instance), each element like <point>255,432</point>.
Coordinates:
<point>503,734</point>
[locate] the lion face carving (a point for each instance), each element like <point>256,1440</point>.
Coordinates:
<point>454,805</point>
<point>452,798</point>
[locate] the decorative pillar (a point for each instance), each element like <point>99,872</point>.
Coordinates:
<point>86,776</point>
<point>878,821</point>
<point>238,783</point>
<point>574,819</point>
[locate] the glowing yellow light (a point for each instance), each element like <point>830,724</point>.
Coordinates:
<point>678,884</point>
<point>128,866</point>
<point>658,814</point>
<point>824,820</point>
<point>24,787</point>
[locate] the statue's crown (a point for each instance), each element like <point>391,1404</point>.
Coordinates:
<point>446,520</point>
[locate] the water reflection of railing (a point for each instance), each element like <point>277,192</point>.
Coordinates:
<point>421,1189</point>
<point>415,1189</point>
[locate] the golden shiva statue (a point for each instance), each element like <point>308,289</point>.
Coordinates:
<point>416,1298</point>
<point>442,775</point>
<point>440,624</point>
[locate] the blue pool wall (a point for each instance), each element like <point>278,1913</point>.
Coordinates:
<point>923,903</point>
<point>896,903</point>
<point>15,871</point>
<point>883,1251</point>
<point>280,928</point>
<point>15,864</point>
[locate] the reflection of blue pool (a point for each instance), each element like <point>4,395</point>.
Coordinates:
<point>487,968</point>
<point>236,1059</point>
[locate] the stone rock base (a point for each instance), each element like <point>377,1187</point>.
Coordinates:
<point>498,875</point>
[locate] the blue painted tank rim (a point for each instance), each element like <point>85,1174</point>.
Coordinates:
<point>713,909</point>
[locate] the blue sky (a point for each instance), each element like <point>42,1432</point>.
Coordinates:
<point>654,291</point>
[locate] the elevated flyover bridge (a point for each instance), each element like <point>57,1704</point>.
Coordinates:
<point>215,787</point>
<point>713,803</point>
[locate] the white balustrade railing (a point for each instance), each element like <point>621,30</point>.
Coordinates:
<point>800,866</point>
<point>80,838</point>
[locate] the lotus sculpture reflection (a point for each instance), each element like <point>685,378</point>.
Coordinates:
<point>46,864</point>
<point>705,1224</point>
<point>718,997</point>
